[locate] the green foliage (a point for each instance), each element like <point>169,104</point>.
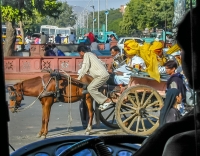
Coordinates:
<point>17,11</point>
<point>9,14</point>
<point>63,19</point>
<point>113,19</point>
<point>188,4</point>
<point>141,14</point>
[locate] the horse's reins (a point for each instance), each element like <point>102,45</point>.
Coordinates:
<point>69,99</point>
<point>36,98</point>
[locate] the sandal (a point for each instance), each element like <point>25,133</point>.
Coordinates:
<point>105,105</point>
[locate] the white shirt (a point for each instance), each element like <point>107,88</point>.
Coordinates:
<point>135,60</point>
<point>93,66</point>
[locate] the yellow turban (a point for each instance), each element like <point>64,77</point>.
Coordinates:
<point>145,53</point>
<point>156,45</point>
<point>145,47</point>
<point>131,48</point>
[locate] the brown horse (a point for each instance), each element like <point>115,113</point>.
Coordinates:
<point>45,89</point>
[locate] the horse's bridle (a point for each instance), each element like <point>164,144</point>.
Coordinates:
<point>13,94</point>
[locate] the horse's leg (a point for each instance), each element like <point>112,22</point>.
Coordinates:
<point>42,128</point>
<point>89,102</point>
<point>46,109</point>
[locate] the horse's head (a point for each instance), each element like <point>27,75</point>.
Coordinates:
<point>15,96</point>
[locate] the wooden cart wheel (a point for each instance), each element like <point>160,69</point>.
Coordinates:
<point>138,109</point>
<point>107,117</point>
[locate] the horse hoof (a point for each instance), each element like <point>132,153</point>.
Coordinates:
<point>43,137</point>
<point>87,133</point>
<point>38,135</point>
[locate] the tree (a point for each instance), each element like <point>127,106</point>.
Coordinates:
<point>141,14</point>
<point>14,11</point>
<point>63,19</point>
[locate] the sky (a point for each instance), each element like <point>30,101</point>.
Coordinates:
<point>87,3</point>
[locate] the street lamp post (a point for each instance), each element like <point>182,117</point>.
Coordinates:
<point>98,15</point>
<point>76,23</point>
<point>87,19</point>
<point>165,25</point>
<point>93,20</point>
<point>106,12</point>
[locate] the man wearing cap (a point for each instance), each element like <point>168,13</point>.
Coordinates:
<point>131,49</point>
<point>157,48</point>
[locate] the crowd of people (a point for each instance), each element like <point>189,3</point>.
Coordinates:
<point>149,58</point>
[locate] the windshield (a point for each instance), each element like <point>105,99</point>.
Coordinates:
<point>50,91</point>
<point>45,30</point>
<point>63,32</point>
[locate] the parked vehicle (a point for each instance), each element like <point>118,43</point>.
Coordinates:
<point>49,30</point>
<point>65,32</point>
<point>161,35</point>
<point>121,41</point>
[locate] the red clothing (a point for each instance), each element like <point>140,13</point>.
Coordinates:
<point>36,41</point>
<point>91,37</point>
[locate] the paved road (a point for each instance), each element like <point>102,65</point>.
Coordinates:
<point>24,125</point>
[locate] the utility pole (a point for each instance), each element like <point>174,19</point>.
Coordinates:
<point>93,19</point>
<point>165,24</point>
<point>98,15</point>
<point>87,20</point>
<point>106,12</point>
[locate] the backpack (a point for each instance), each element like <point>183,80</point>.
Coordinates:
<point>60,53</point>
<point>50,53</point>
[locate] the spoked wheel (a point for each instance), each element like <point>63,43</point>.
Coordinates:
<point>138,109</point>
<point>107,117</point>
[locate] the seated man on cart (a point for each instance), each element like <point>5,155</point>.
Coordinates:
<point>157,48</point>
<point>118,59</point>
<point>121,74</point>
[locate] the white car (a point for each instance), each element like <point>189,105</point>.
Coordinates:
<point>121,41</point>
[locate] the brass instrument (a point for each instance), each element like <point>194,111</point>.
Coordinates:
<point>119,60</point>
<point>171,57</point>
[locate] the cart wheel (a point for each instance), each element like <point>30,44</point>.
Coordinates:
<point>107,117</point>
<point>138,109</point>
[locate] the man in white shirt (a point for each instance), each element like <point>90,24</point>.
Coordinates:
<point>123,76</point>
<point>28,43</point>
<point>131,49</point>
<point>93,66</point>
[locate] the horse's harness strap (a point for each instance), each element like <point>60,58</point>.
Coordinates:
<point>43,84</point>
<point>56,75</point>
<point>45,94</point>
<point>13,97</point>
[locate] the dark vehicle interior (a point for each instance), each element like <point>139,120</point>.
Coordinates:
<point>180,138</point>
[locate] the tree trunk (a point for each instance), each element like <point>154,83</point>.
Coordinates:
<point>9,44</point>
<point>22,31</point>
<point>22,34</point>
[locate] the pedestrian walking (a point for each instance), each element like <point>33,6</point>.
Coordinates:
<point>176,81</point>
<point>169,112</point>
